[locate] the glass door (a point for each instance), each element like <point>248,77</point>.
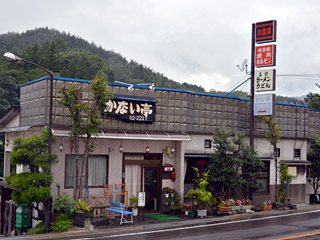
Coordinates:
<point>151,186</point>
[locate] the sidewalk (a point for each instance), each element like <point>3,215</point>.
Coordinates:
<point>148,224</point>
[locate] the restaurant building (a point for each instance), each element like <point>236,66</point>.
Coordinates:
<point>151,138</point>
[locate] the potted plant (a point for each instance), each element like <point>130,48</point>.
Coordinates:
<point>224,206</point>
<point>186,207</point>
<point>167,191</point>
<point>134,205</point>
<point>202,196</point>
<point>266,205</point>
<point>82,207</point>
<point>235,204</point>
<point>246,204</point>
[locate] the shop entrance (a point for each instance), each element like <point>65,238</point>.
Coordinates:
<point>151,186</point>
<point>142,174</point>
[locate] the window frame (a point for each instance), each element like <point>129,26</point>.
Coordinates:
<point>81,155</point>
<point>297,153</point>
<point>209,142</point>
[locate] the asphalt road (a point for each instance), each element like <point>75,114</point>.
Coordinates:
<point>279,227</point>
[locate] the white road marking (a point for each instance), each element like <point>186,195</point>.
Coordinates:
<point>198,226</point>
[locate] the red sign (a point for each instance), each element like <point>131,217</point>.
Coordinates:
<point>266,31</point>
<point>265,56</point>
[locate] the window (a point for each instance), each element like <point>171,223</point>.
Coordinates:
<point>297,153</point>
<point>97,170</point>
<point>263,178</point>
<point>207,143</point>
<point>278,152</point>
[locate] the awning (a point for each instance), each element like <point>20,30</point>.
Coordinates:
<point>133,136</point>
<point>195,155</point>
<point>297,162</point>
<point>15,129</point>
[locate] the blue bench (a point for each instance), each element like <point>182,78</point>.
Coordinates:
<point>119,208</point>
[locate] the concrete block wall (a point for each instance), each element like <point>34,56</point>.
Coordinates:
<point>176,111</point>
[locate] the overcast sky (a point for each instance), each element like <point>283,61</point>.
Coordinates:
<point>194,41</point>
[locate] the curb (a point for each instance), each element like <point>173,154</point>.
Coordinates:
<point>167,225</point>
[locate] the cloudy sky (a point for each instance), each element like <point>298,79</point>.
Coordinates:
<point>194,41</point>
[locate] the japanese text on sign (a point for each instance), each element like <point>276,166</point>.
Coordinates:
<point>264,80</point>
<point>130,110</point>
<point>265,55</point>
<point>266,31</point>
<point>263,104</point>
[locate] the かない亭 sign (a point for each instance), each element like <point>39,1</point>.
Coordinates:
<point>128,108</point>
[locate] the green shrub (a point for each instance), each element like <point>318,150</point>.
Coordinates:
<point>64,204</point>
<point>61,223</point>
<point>38,229</point>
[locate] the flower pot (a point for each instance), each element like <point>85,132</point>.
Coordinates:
<point>224,209</point>
<point>78,219</point>
<point>246,207</point>
<point>201,213</point>
<point>166,195</point>
<point>192,214</point>
<point>235,208</point>
<point>266,208</point>
<point>134,212</point>
<point>186,212</point>
<point>166,203</point>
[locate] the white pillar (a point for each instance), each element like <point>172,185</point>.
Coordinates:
<point>179,167</point>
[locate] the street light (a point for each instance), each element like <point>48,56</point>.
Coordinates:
<point>10,57</point>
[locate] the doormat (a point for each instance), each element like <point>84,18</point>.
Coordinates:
<point>161,217</point>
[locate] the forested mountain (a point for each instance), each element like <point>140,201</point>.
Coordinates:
<point>70,56</point>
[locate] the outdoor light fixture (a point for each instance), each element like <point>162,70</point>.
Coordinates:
<point>128,85</point>
<point>147,149</point>
<point>10,57</point>
<point>120,149</point>
<point>149,85</point>
<point>61,148</point>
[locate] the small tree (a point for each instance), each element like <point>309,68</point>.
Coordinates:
<point>272,134</point>
<point>285,179</point>
<point>314,158</point>
<point>33,186</point>
<point>251,168</point>
<point>85,116</point>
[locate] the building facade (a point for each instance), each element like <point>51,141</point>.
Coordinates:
<point>151,138</point>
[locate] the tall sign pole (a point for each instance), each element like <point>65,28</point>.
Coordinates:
<point>253,44</point>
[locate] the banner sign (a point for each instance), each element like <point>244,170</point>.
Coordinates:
<point>265,55</point>
<point>265,80</point>
<point>141,199</point>
<point>131,108</point>
<point>266,31</point>
<point>263,104</point>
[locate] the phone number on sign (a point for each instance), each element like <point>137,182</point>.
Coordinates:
<point>138,118</point>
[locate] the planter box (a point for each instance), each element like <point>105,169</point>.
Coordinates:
<point>78,219</point>
<point>235,208</point>
<point>134,212</point>
<point>202,213</point>
<point>224,209</point>
<point>266,208</point>
<point>246,207</point>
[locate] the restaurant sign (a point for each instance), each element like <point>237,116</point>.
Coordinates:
<point>263,104</point>
<point>265,56</point>
<point>266,31</point>
<point>131,108</point>
<point>265,80</point>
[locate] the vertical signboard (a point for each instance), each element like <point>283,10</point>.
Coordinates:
<point>265,55</point>
<point>264,80</point>
<point>266,31</point>
<point>263,104</point>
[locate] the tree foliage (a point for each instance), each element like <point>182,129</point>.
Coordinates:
<point>85,114</point>
<point>32,186</point>
<point>314,158</point>
<point>230,164</point>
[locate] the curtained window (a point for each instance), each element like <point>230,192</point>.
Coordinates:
<point>97,170</point>
<point>133,179</point>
